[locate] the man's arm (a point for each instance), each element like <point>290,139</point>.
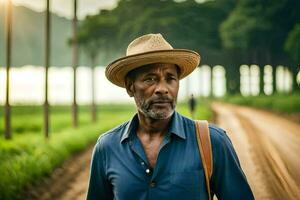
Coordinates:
<point>99,188</point>
<point>228,180</point>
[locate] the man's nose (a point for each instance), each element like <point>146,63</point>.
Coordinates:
<point>161,88</point>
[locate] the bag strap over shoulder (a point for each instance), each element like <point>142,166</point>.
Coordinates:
<point>204,145</point>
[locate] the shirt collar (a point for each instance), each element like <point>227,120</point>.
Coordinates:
<point>130,127</point>
<point>176,126</point>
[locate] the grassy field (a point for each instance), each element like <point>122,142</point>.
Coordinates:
<point>284,103</point>
<point>29,157</point>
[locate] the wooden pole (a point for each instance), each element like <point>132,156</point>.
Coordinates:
<point>8,134</point>
<point>211,81</point>
<point>74,64</point>
<point>94,105</point>
<point>47,63</point>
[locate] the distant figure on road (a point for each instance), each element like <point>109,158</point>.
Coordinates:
<point>158,154</point>
<point>192,105</point>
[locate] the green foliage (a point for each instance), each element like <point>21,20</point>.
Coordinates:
<point>29,157</point>
<point>203,110</point>
<point>259,29</point>
<point>237,30</point>
<point>58,118</point>
<point>292,43</point>
<point>279,102</point>
<point>186,25</point>
<point>93,34</point>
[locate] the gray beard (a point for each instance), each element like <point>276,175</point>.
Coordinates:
<point>150,113</point>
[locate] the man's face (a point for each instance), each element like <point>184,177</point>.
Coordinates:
<point>155,88</point>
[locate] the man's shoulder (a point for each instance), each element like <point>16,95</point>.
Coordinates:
<point>185,119</point>
<point>217,134</point>
<point>112,136</point>
<point>219,138</point>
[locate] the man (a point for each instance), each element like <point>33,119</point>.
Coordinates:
<point>192,105</point>
<point>155,156</point>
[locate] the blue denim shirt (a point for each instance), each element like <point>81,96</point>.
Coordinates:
<point>120,170</point>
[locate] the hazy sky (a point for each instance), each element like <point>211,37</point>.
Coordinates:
<point>64,7</point>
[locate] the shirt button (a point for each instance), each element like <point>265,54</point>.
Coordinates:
<point>147,171</point>
<point>152,184</point>
<point>142,163</point>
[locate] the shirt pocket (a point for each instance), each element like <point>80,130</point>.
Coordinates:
<point>188,185</point>
<point>187,179</point>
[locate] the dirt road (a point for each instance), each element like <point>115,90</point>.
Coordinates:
<point>68,182</point>
<point>268,147</point>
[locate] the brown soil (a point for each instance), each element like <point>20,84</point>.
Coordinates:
<point>68,182</point>
<point>268,146</point>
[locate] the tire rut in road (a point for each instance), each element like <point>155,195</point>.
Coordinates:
<point>229,121</point>
<point>278,176</point>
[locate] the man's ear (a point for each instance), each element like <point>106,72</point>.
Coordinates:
<point>129,87</point>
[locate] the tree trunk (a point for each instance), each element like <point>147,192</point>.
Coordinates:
<point>274,68</point>
<point>261,79</point>
<point>74,64</point>
<point>47,63</point>
<point>229,90</point>
<point>233,77</point>
<point>212,81</point>
<point>261,71</point>
<point>296,85</point>
<point>269,61</point>
<point>94,105</point>
<point>8,134</point>
<point>187,90</point>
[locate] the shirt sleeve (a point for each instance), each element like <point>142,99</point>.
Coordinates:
<point>228,180</point>
<point>99,187</point>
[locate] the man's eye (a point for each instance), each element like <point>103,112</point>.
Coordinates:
<point>171,78</point>
<point>150,80</point>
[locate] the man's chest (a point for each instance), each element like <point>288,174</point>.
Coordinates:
<point>177,173</point>
<point>151,149</point>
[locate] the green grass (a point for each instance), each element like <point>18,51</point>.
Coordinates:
<point>203,110</point>
<point>29,157</point>
<point>284,103</point>
<point>30,118</point>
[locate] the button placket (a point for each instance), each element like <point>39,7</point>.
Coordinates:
<point>152,184</point>
<point>147,171</point>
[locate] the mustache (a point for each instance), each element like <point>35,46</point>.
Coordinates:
<point>162,99</point>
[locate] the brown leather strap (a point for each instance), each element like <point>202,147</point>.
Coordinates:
<point>204,145</point>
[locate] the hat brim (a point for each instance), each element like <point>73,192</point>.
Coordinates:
<point>186,60</point>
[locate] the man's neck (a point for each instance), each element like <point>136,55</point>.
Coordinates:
<point>152,127</point>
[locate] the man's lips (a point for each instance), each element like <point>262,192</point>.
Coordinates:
<point>161,103</point>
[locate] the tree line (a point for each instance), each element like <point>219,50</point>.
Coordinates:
<point>224,32</point>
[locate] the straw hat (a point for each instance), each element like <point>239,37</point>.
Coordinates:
<point>148,49</point>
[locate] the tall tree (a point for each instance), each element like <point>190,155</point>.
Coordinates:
<point>252,31</point>
<point>92,37</point>
<point>241,31</point>
<point>259,28</point>
<point>292,47</point>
